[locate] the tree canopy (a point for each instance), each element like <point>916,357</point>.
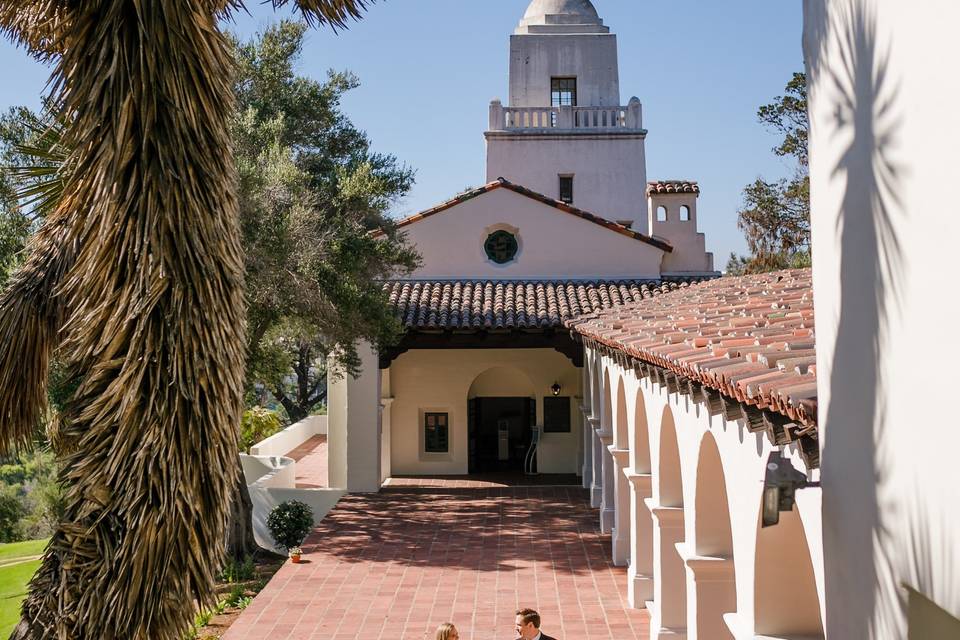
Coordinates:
<point>311,192</point>
<point>775,217</point>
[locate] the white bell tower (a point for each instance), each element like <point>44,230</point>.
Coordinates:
<point>564,132</point>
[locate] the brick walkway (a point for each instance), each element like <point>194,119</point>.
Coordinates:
<point>394,565</point>
<point>311,458</point>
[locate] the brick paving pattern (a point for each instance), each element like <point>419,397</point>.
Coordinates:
<point>394,565</point>
<point>311,467</point>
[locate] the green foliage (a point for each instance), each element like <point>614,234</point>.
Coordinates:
<point>235,571</point>
<point>21,131</point>
<point>238,598</point>
<point>31,499</point>
<point>289,523</point>
<point>258,424</point>
<point>775,217</point>
<point>11,510</point>
<point>311,193</point>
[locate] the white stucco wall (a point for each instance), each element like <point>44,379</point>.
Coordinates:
<point>553,244</point>
<point>441,380</point>
<point>743,459</point>
<point>271,480</point>
<point>609,170</point>
<point>280,444</point>
<point>591,59</point>
<point>884,140</point>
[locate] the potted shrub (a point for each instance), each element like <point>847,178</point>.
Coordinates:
<point>289,524</point>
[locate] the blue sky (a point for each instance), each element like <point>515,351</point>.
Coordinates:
<point>429,69</point>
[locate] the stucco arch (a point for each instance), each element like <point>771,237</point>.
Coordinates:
<point>621,485</point>
<point>713,536</point>
<point>669,479</point>
<point>621,431</point>
<point>712,577</point>
<point>640,440</point>
<point>502,382</point>
<point>785,589</point>
<point>640,585</point>
<point>670,580</point>
<point>608,479</point>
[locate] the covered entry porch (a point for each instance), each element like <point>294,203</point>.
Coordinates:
<point>485,378</point>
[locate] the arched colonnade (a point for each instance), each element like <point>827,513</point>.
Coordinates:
<point>679,491</point>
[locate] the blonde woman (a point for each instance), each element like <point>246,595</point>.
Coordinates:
<point>447,631</point>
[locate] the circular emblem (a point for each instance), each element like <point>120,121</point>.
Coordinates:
<point>501,246</point>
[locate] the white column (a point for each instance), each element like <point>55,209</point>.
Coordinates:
<point>668,611</point>
<point>608,506</point>
<point>621,500</point>
<point>711,593</point>
<point>385,439</point>
<point>353,438</point>
<point>586,472</point>
<point>596,480</point>
<point>640,574</point>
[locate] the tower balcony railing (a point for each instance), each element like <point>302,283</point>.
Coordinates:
<point>578,119</point>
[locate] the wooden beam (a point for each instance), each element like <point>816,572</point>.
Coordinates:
<point>714,401</point>
<point>732,410</point>
<point>560,341</point>
<point>755,421</point>
<point>810,451</point>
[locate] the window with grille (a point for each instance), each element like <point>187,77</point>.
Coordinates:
<point>501,246</point>
<point>563,92</point>
<point>436,432</point>
<point>566,189</point>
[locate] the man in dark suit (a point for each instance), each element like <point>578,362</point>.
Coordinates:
<point>528,626</point>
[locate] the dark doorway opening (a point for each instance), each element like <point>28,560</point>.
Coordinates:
<point>500,433</point>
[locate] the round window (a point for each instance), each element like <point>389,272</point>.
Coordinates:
<point>501,246</point>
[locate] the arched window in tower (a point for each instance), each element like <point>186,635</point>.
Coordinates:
<point>684,213</point>
<point>661,214</point>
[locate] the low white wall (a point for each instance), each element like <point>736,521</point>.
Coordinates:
<point>271,480</point>
<point>280,444</point>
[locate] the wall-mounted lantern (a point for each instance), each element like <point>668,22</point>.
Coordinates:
<point>556,388</point>
<point>779,488</point>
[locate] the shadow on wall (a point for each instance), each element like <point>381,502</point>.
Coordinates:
<point>849,66</point>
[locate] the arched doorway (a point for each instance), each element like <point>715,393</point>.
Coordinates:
<point>785,589</point>
<point>711,568</point>
<point>670,580</point>
<point>501,409</point>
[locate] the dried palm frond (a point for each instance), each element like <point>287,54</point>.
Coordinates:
<point>332,12</point>
<point>39,25</point>
<point>30,318</point>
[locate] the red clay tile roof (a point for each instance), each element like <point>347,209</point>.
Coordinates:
<point>750,338</point>
<point>672,186</point>
<point>562,206</point>
<point>512,305</point>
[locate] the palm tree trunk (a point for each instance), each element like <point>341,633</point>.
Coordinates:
<point>153,325</point>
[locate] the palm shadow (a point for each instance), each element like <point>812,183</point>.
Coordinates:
<point>851,68</point>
